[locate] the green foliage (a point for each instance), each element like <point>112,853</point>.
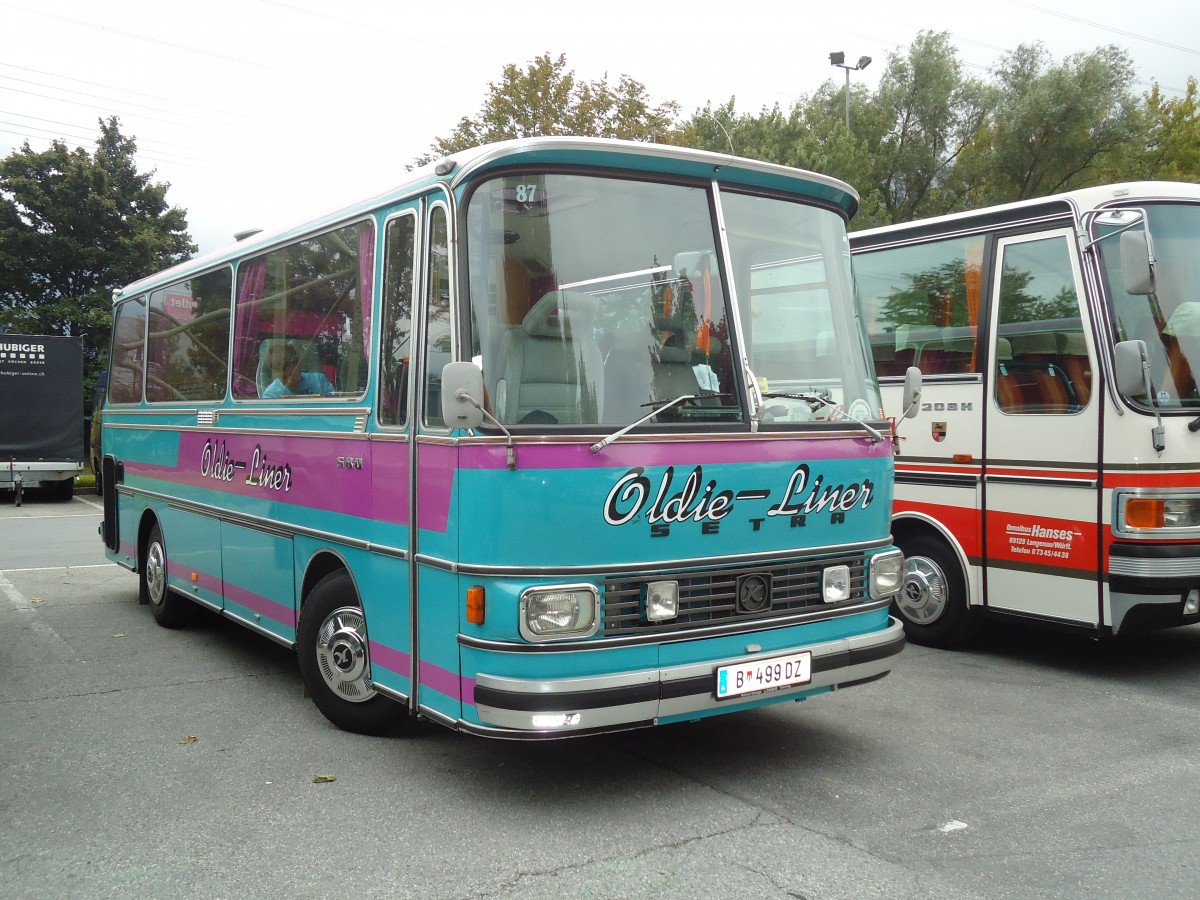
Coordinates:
<point>547,99</point>
<point>1053,127</point>
<point>73,227</point>
<point>1172,151</point>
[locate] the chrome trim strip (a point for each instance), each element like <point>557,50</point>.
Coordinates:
<point>390,694</point>
<point>1043,480</point>
<point>259,523</point>
<point>649,567</point>
<point>216,429</point>
<point>249,623</point>
<point>725,629</point>
<point>1135,567</point>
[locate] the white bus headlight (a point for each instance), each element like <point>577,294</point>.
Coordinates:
<point>887,574</point>
<point>556,612</point>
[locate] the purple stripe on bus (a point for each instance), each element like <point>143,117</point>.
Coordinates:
<point>276,612</point>
<point>312,472</point>
<point>446,682</point>
<point>389,658</point>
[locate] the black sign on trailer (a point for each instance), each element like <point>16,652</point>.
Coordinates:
<point>41,398</point>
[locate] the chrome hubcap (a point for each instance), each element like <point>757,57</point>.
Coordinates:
<point>156,573</point>
<point>922,599</point>
<point>342,654</point>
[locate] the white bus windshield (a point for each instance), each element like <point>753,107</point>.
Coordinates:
<point>1168,318</point>
<point>596,300</point>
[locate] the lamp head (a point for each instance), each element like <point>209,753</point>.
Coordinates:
<point>837,59</point>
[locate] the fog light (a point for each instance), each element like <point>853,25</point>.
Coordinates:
<point>662,600</point>
<point>887,574</point>
<point>836,583</point>
<point>1192,604</point>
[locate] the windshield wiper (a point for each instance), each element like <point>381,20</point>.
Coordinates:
<point>809,398</point>
<point>659,407</point>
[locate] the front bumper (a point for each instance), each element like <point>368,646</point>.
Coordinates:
<point>517,707</point>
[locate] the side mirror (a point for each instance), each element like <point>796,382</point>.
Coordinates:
<point>1137,262</point>
<point>1129,362</point>
<point>912,391</point>
<point>462,395</point>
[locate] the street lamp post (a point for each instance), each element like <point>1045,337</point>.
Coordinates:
<point>839,59</point>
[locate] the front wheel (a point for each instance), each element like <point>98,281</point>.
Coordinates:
<point>932,603</point>
<point>335,662</point>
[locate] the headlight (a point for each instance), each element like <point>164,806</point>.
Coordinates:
<point>1161,513</point>
<point>835,584</point>
<point>887,574</point>
<point>556,612</point>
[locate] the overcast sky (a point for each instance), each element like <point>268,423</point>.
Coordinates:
<point>263,112</point>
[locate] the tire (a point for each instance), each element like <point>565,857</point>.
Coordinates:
<point>932,603</point>
<point>62,491</point>
<point>170,610</point>
<point>335,663</point>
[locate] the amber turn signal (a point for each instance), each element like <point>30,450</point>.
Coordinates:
<point>475,605</point>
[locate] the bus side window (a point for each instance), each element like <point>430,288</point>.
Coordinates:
<point>1038,313</point>
<point>921,304</point>
<point>396,333</point>
<point>438,349</point>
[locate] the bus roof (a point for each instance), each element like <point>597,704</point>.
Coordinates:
<point>456,169</point>
<point>1067,203</point>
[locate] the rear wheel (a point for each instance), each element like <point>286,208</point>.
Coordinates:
<point>336,664</point>
<point>932,603</point>
<point>170,610</point>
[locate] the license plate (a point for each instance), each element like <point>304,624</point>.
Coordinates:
<point>771,674</point>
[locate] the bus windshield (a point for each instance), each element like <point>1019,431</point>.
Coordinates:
<point>1168,318</point>
<point>597,300</point>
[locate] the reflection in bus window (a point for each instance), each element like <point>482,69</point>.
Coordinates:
<point>188,343</point>
<point>1167,319</point>
<point>396,342</point>
<point>315,295</point>
<point>594,300</point>
<point>127,366</point>
<point>438,344</point>
<point>1038,324</point>
<point>921,306</point>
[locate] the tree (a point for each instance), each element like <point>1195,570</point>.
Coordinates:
<point>73,227</point>
<point>547,99</point>
<point>920,120</point>
<point>1054,127</point>
<point>1172,149</point>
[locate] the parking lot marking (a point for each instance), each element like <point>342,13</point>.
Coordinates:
<point>36,625</point>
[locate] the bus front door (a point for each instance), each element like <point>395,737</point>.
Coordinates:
<point>1041,450</point>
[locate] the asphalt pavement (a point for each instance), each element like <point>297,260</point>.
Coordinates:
<point>140,762</point>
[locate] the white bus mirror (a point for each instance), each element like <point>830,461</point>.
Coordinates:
<point>912,392</point>
<point>462,395</point>
<point>1137,263</point>
<point>1129,361</point>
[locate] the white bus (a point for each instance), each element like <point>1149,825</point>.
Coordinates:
<point>1052,471</point>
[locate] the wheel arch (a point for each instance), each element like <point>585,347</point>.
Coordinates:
<point>909,525</point>
<point>321,564</point>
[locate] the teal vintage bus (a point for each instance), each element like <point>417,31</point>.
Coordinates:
<point>561,436</point>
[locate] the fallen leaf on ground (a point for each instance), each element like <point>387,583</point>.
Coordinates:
<point>324,779</point>
<point>190,739</point>
<point>37,600</point>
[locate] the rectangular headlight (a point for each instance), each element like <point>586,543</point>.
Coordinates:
<point>1140,513</point>
<point>835,583</point>
<point>662,600</point>
<point>887,574</point>
<point>570,610</point>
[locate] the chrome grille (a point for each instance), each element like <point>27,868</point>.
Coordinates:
<point>708,596</point>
